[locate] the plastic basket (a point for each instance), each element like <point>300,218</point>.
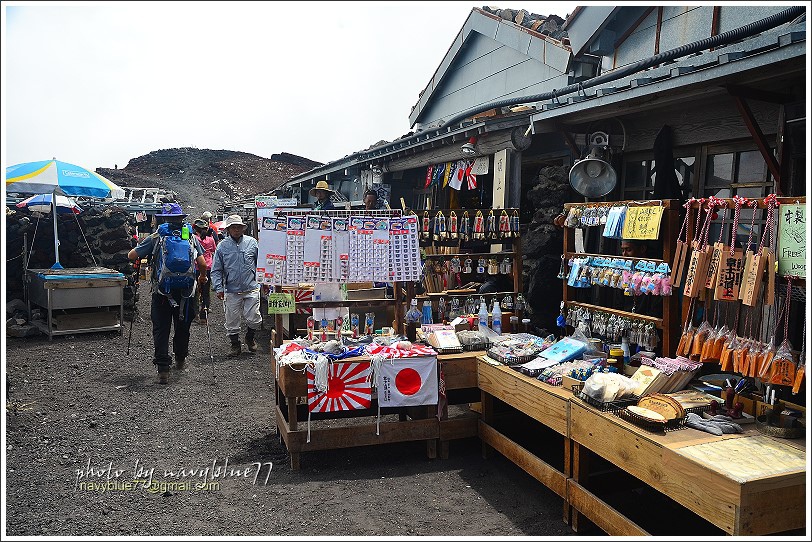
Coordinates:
<point>605,407</point>
<point>648,425</point>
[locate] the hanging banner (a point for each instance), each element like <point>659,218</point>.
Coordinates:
<point>792,240</point>
<point>642,222</point>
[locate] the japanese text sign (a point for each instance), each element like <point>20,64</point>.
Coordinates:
<point>792,240</point>
<point>281,303</point>
<point>642,222</point>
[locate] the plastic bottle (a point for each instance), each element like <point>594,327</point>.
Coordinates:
<point>427,316</point>
<point>519,306</point>
<point>441,311</point>
<point>483,315</point>
<point>624,344</point>
<point>413,317</point>
<point>497,318</point>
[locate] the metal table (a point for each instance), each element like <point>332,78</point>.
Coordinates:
<point>78,288</point>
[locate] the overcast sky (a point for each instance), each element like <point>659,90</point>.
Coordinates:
<point>101,83</point>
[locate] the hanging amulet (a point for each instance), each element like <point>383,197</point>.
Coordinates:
<point>425,232</point>
<point>442,229</point>
<point>452,225</point>
<point>514,224</point>
<point>491,226</point>
<point>504,225</point>
<point>479,226</point>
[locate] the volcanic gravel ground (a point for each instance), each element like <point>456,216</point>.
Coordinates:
<point>81,399</point>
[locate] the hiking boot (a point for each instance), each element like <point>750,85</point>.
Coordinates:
<point>236,347</point>
<point>250,341</point>
<point>180,363</point>
<point>163,378</point>
<point>203,322</point>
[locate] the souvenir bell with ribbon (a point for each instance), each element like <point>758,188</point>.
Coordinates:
<point>425,230</point>
<point>465,227</point>
<point>479,227</point>
<point>452,226</point>
<point>504,225</point>
<point>440,231</point>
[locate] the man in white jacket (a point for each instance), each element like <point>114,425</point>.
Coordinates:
<point>234,278</point>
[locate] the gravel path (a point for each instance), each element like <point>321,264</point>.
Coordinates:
<point>82,401</point>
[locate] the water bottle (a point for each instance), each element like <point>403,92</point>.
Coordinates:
<point>413,317</point>
<point>483,315</point>
<point>184,232</point>
<point>497,318</point>
<point>427,316</point>
<point>441,310</point>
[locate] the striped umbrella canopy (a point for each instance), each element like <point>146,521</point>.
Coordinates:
<point>55,176</point>
<point>59,178</point>
<point>43,203</point>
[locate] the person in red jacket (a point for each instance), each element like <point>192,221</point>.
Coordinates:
<point>208,240</point>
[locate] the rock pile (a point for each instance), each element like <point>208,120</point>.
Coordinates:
<point>549,25</point>
<point>543,242</point>
<point>109,233</point>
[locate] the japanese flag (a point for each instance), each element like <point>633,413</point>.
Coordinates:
<point>347,388</point>
<point>408,382</point>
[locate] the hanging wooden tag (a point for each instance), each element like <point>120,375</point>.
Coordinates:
<point>679,263</point>
<point>770,296</point>
<point>753,277</point>
<point>748,257</point>
<point>713,265</point>
<point>729,279</point>
<point>693,282</point>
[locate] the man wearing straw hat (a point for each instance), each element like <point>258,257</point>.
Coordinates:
<point>322,193</point>
<point>234,278</point>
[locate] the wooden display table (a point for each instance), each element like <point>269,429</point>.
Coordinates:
<point>745,487</point>
<point>415,423</point>
<point>546,404</point>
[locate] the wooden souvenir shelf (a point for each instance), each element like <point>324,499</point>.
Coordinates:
<point>670,321</point>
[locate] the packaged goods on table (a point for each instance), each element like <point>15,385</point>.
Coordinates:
<point>519,348</point>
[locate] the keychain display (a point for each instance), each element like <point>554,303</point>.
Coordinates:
<point>612,326</point>
<point>640,278</point>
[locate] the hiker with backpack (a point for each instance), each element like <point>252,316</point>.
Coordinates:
<point>175,254</point>
<point>234,279</point>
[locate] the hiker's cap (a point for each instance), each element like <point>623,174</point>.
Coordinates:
<point>171,209</point>
<point>233,220</point>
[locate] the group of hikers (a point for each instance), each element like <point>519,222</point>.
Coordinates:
<point>187,260</point>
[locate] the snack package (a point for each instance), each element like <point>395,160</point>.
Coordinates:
<point>699,341</point>
<point>607,387</point>
<point>684,346</point>
<point>730,346</point>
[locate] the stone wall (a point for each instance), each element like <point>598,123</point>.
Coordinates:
<point>543,243</point>
<point>109,231</point>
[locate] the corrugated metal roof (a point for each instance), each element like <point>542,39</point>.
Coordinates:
<point>763,50</point>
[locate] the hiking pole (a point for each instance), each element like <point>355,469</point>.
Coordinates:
<point>211,354</point>
<point>135,306</point>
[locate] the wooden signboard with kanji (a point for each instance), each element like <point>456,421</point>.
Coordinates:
<point>729,276</point>
<point>713,265</point>
<point>752,279</point>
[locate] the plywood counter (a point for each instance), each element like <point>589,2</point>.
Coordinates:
<point>745,484</point>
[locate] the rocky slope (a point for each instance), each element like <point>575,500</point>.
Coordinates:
<point>203,178</point>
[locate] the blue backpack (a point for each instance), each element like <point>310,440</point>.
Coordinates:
<point>174,259</point>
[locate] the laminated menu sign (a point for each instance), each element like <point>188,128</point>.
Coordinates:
<point>295,250</point>
<point>361,248</point>
<point>272,247</point>
<point>642,222</point>
<point>792,240</point>
<point>380,250</point>
<point>404,257</point>
<point>729,276</point>
<point>341,249</point>
<point>318,249</point>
